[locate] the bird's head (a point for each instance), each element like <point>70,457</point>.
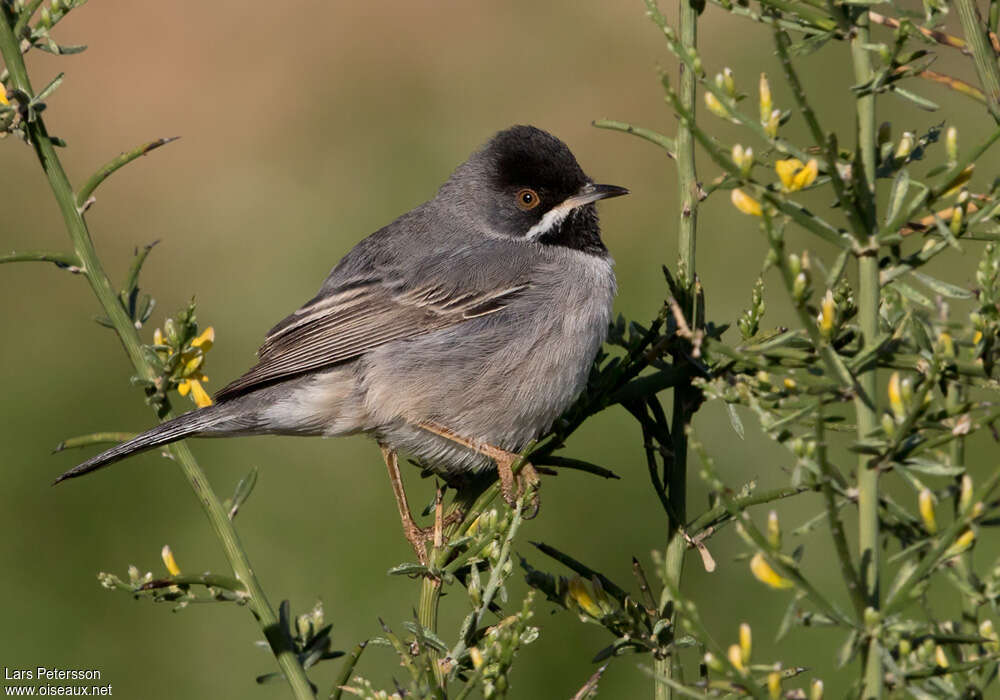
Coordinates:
<point>525,183</point>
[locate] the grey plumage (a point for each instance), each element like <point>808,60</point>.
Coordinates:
<point>478,310</point>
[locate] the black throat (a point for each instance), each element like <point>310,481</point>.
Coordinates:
<point>579,231</point>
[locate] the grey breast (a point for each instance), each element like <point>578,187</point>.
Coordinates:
<point>504,377</point>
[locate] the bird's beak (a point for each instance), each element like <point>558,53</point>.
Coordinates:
<point>591,193</point>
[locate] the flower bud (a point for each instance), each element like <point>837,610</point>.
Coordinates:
<point>896,398</point>
<point>746,642</point>
<point>743,158</point>
<point>940,659</point>
<point>905,146</point>
<point>888,425</point>
<point>816,690</point>
<point>957,218</point>
<point>773,530</point>
<point>735,658</point>
<point>716,107</point>
<point>712,662</point>
<point>800,286</point>
<point>579,594</point>
<point>961,545</point>
<point>774,685</point>
<point>728,83</point>
<point>925,501</point>
<point>951,144</point>
<point>946,344</point>
<point>986,630</point>
<point>772,123</point>
<point>168,560</point>
<point>826,315</point>
<point>965,494</point>
<point>766,105</point>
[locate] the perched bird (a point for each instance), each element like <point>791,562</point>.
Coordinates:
<point>456,334</point>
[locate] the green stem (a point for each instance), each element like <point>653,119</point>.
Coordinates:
<point>684,395</point>
<point>430,585</point>
<point>963,564</point>
<point>850,575</point>
<point>127,333</point>
<point>982,52</point>
<point>67,260</point>
<point>868,308</point>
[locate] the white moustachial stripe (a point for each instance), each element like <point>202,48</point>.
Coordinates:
<point>553,217</point>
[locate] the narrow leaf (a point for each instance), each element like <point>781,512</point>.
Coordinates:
<point>735,421</point>
<point>943,288</point>
<point>921,102</point>
<point>124,159</point>
<point>49,89</point>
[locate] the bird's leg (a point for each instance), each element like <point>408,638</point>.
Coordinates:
<point>416,535</point>
<point>510,486</point>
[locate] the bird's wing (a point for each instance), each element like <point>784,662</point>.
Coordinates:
<point>359,314</point>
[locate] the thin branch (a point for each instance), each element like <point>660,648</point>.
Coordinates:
<point>67,261</point>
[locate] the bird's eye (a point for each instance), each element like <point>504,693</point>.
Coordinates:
<point>527,199</point>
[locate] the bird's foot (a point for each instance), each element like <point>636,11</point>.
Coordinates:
<point>512,486</point>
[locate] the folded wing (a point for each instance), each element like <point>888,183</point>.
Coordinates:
<point>345,322</point>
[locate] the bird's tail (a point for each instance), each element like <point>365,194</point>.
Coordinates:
<point>218,419</point>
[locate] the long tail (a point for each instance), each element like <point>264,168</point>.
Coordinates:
<point>219,419</point>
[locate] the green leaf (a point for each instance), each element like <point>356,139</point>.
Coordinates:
<point>945,289</point>
<point>243,490</point>
<point>408,570</point>
<point>932,468</point>
<point>900,187</point>
<point>848,649</point>
<point>49,89</point>
<point>911,294</point>
<point>921,102</point>
<point>735,421</point>
<point>124,159</point>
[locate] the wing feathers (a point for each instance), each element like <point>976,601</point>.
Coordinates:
<point>357,317</point>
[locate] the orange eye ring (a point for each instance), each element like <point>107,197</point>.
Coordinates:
<point>527,199</point>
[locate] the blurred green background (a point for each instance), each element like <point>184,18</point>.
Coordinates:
<point>306,126</point>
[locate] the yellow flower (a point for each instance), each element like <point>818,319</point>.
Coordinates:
<point>794,175</point>
<point>191,369</point>
<point>746,204</point>
<point>193,386</point>
<point>169,561</point>
<point>579,594</point>
<point>192,359</point>
<point>763,572</point>
<point>476,656</point>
